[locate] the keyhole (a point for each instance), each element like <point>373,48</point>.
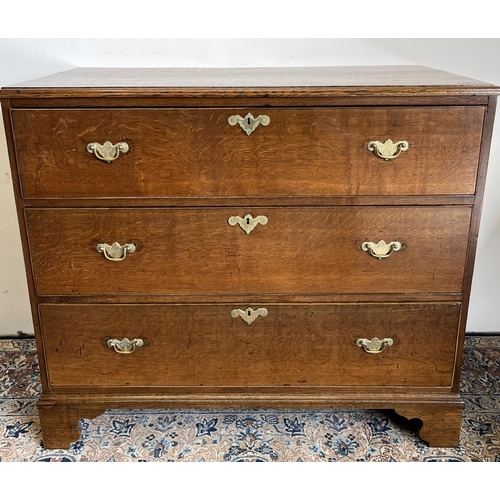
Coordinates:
<point>248,120</point>
<point>248,220</point>
<point>248,312</point>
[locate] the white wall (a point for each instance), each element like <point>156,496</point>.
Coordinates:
<point>24,59</point>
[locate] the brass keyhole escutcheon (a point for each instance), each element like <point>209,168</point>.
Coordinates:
<point>248,123</point>
<point>249,315</point>
<point>247,223</point>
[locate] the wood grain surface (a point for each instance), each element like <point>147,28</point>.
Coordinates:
<point>196,153</point>
<point>299,250</point>
<point>268,82</point>
<point>202,345</point>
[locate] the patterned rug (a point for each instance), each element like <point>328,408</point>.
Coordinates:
<point>250,436</point>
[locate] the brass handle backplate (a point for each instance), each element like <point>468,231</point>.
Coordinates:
<point>248,123</point>
<point>249,315</point>
<point>381,250</point>
<point>374,346</point>
<point>107,151</point>
<point>248,222</point>
<point>388,150</point>
<point>125,346</point>
<point>115,252</point>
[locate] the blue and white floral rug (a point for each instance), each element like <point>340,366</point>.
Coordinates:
<point>252,436</point>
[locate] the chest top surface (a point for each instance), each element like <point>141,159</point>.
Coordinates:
<point>328,81</point>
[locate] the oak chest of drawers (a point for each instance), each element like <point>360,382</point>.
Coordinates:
<point>250,238</point>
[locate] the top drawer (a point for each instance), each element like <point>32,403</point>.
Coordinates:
<point>198,153</point>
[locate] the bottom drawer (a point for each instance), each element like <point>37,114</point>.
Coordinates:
<point>213,345</point>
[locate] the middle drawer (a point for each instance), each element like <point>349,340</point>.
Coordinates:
<point>229,251</point>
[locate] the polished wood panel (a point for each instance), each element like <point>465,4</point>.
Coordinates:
<point>265,82</point>
<point>299,250</point>
<point>202,345</point>
<point>302,152</point>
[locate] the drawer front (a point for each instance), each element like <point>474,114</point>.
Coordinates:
<point>204,345</point>
<point>197,153</point>
<point>291,250</point>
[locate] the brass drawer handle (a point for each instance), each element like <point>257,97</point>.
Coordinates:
<point>107,151</point>
<point>374,346</point>
<point>125,346</point>
<point>249,315</point>
<point>381,250</point>
<point>388,150</point>
<point>249,123</point>
<point>248,222</point>
<point>115,252</point>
